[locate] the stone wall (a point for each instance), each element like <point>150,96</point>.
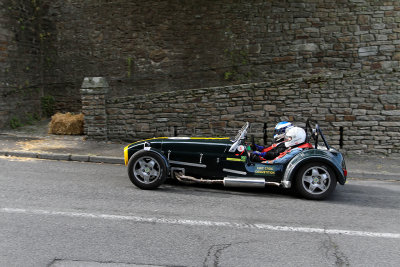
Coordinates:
<point>49,46</point>
<point>365,104</point>
<point>156,46</point>
<point>20,74</point>
<point>26,52</point>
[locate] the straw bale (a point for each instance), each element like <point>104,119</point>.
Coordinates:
<point>66,124</point>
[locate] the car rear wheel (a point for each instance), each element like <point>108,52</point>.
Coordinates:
<point>147,170</point>
<point>315,181</point>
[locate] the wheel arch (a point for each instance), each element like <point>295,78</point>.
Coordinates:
<point>292,169</point>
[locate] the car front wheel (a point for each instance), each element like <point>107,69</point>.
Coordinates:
<point>147,170</point>
<point>315,181</point>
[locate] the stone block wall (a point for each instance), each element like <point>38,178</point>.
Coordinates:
<point>49,46</point>
<point>156,46</point>
<point>365,104</point>
<point>26,50</point>
<point>20,73</point>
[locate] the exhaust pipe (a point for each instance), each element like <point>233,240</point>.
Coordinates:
<point>252,182</point>
<point>244,182</point>
<point>191,180</point>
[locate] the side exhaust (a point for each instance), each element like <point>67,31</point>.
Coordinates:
<point>244,182</point>
<point>252,182</point>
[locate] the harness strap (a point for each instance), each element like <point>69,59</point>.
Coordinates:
<point>306,145</point>
<point>281,155</point>
<point>271,147</point>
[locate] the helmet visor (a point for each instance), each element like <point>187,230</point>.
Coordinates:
<point>279,131</point>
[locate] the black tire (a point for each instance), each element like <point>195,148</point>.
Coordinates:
<point>147,170</point>
<point>315,181</point>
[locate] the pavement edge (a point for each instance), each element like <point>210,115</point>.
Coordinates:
<point>64,157</point>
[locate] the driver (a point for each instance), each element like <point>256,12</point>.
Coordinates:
<point>261,153</point>
<point>295,142</point>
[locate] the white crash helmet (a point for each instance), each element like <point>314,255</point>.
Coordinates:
<point>294,136</point>
<point>280,130</point>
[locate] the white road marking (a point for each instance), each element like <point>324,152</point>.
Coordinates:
<point>199,223</point>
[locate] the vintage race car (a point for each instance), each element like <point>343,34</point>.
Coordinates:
<point>313,172</point>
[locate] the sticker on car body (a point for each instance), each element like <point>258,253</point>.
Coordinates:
<point>241,159</point>
<point>264,170</point>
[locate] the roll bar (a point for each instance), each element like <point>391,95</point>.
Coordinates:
<point>314,133</point>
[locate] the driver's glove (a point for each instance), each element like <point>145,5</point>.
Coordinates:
<point>257,147</point>
<point>255,156</point>
<point>258,153</point>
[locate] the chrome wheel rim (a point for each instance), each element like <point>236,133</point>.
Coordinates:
<point>147,170</point>
<point>316,180</point>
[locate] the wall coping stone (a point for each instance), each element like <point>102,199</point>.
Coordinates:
<point>94,83</point>
<point>320,77</point>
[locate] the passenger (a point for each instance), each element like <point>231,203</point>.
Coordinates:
<point>262,153</point>
<point>295,142</point>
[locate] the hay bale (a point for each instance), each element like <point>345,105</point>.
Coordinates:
<point>66,124</point>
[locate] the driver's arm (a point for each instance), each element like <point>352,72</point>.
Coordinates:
<point>274,152</point>
<point>271,154</point>
<point>285,158</point>
<point>257,147</point>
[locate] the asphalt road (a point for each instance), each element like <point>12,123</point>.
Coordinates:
<point>84,214</point>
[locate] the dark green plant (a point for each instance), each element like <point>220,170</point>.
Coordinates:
<point>15,123</point>
<point>30,118</point>
<point>36,116</point>
<point>228,75</point>
<point>48,104</point>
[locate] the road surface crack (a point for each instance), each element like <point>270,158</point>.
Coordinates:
<point>214,254</point>
<point>332,248</point>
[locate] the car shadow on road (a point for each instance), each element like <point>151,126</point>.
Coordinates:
<point>350,194</point>
<point>201,189</point>
<point>371,196</point>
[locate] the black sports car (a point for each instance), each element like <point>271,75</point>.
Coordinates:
<point>313,172</point>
